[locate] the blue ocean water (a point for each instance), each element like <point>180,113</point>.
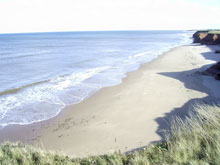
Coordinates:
<point>41,73</point>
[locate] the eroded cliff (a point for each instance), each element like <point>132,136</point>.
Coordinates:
<point>207,37</point>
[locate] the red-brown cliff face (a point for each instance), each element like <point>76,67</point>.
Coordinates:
<point>204,37</point>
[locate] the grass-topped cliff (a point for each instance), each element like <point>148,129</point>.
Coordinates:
<point>208,37</point>
<point>195,140</point>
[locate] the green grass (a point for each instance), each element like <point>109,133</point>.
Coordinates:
<point>196,140</point>
<point>214,32</point>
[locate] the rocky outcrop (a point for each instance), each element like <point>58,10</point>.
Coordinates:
<point>196,34</point>
<point>214,71</point>
<point>207,38</point>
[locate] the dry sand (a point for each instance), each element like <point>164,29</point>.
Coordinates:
<point>132,114</point>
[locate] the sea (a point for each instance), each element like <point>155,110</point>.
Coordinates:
<point>42,73</point>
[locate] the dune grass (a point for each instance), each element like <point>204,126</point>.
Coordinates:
<point>194,140</point>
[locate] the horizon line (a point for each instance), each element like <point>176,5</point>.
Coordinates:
<point>97,31</point>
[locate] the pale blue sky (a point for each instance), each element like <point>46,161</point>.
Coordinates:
<point>72,15</point>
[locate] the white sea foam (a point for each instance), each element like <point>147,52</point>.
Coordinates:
<point>46,100</point>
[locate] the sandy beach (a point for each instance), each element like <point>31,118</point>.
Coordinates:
<point>130,115</point>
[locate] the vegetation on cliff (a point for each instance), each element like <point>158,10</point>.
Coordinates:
<point>196,140</point>
<point>214,32</point>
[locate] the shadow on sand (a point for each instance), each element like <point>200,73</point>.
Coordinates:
<point>195,82</point>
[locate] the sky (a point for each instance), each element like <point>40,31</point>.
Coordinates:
<point>88,15</point>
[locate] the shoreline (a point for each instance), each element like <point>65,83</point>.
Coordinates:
<point>81,72</point>
<point>115,118</point>
<point>66,106</point>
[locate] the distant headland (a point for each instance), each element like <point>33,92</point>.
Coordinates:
<point>207,37</point>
